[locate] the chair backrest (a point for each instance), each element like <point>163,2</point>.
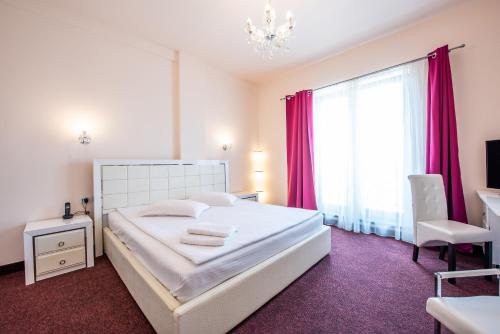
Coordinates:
<point>428,199</point>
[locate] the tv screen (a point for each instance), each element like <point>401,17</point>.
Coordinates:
<point>493,164</point>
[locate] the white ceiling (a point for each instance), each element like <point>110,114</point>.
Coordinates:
<point>213,29</point>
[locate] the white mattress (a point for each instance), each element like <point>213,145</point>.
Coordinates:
<point>254,222</point>
<point>186,280</point>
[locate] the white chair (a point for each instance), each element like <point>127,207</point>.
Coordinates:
<point>431,226</point>
<point>465,315</point>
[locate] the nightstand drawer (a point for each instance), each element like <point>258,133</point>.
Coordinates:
<point>58,241</point>
<point>59,260</point>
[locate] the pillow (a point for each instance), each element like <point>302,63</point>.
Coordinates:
<point>214,198</point>
<point>171,207</point>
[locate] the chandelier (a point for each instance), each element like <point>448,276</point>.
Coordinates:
<point>270,39</point>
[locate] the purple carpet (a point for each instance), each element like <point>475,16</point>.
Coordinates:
<point>368,284</point>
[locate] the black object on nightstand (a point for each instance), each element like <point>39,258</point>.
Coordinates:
<point>67,211</point>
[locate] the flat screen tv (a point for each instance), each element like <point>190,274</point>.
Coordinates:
<point>493,164</point>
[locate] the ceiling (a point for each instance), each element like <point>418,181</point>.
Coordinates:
<point>213,29</point>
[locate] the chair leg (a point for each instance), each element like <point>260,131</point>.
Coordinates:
<point>442,252</point>
<point>488,257</point>
<point>452,261</point>
<point>415,253</point>
<point>437,327</point>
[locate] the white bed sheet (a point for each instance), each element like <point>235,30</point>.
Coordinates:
<point>254,222</point>
<point>186,280</point>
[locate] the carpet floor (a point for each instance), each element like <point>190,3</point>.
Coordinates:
<point>367,284</point>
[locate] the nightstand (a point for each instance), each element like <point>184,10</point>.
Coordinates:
<point>57,246</point>
<point>248,195</point>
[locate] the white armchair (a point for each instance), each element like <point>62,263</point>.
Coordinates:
<point>465,315</point>
<point>431,226</point>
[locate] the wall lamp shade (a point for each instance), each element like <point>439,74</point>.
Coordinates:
<point>258,158</point>
<point>84,138</point>
<point>259,180</point>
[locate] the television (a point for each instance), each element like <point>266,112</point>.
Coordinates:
<point>493,164</point>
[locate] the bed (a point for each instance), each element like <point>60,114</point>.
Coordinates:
<point>176,295</point>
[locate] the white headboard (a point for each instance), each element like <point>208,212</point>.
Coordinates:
<point>125,183</point>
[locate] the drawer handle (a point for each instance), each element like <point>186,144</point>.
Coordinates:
<point>62,262</point>
<point>60,244</point>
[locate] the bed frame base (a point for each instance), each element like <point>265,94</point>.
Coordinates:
<point>223,307</point>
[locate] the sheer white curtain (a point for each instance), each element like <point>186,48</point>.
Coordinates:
<point>369,135</point>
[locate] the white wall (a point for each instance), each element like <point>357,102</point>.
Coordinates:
<point>476,81</point>
<point>58,77</point>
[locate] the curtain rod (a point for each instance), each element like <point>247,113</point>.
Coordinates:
<point>384,69</point>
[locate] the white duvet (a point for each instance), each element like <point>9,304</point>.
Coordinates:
<point>186,280</point>
<point>254,222</point>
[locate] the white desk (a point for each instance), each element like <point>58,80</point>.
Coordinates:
<point>491,218</point>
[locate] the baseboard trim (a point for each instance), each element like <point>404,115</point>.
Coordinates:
<point>11,268</point>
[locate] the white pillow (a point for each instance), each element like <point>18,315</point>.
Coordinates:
<point>173,207</point>
<point>214,198</point>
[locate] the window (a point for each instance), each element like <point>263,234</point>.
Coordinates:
<point>369,135</point>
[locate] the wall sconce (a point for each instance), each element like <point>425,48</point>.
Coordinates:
<point>227,147</point>
<point>84,138</point>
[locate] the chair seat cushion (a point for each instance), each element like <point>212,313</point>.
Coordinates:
<point>467,315</point>
<point>450,231</point>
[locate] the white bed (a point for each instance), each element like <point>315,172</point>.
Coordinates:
<point>176,295</point>
<point>186,280</point>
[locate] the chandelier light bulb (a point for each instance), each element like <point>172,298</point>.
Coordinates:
<point>290,19</point>
<point>249,27</point>
<point>268,7</point>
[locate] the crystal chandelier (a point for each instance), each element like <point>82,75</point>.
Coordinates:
<point>270,39</point>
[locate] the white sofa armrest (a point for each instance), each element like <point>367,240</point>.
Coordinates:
<point>467,273</point>
<point>439,276</point>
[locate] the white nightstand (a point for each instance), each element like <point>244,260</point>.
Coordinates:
<point>57,246</point>
<point>248,195</point>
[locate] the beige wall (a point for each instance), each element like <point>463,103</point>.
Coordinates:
<point>216,108</point>
<point>58,77</point>
<point>476,77</point>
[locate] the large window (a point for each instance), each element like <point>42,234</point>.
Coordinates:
<point>369,135</point>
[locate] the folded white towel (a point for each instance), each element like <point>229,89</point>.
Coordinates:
<point>202,240</point>
<point>213,230</point>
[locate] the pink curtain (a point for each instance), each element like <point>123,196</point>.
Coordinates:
<point>299,147</point>
<point>442,143</point>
